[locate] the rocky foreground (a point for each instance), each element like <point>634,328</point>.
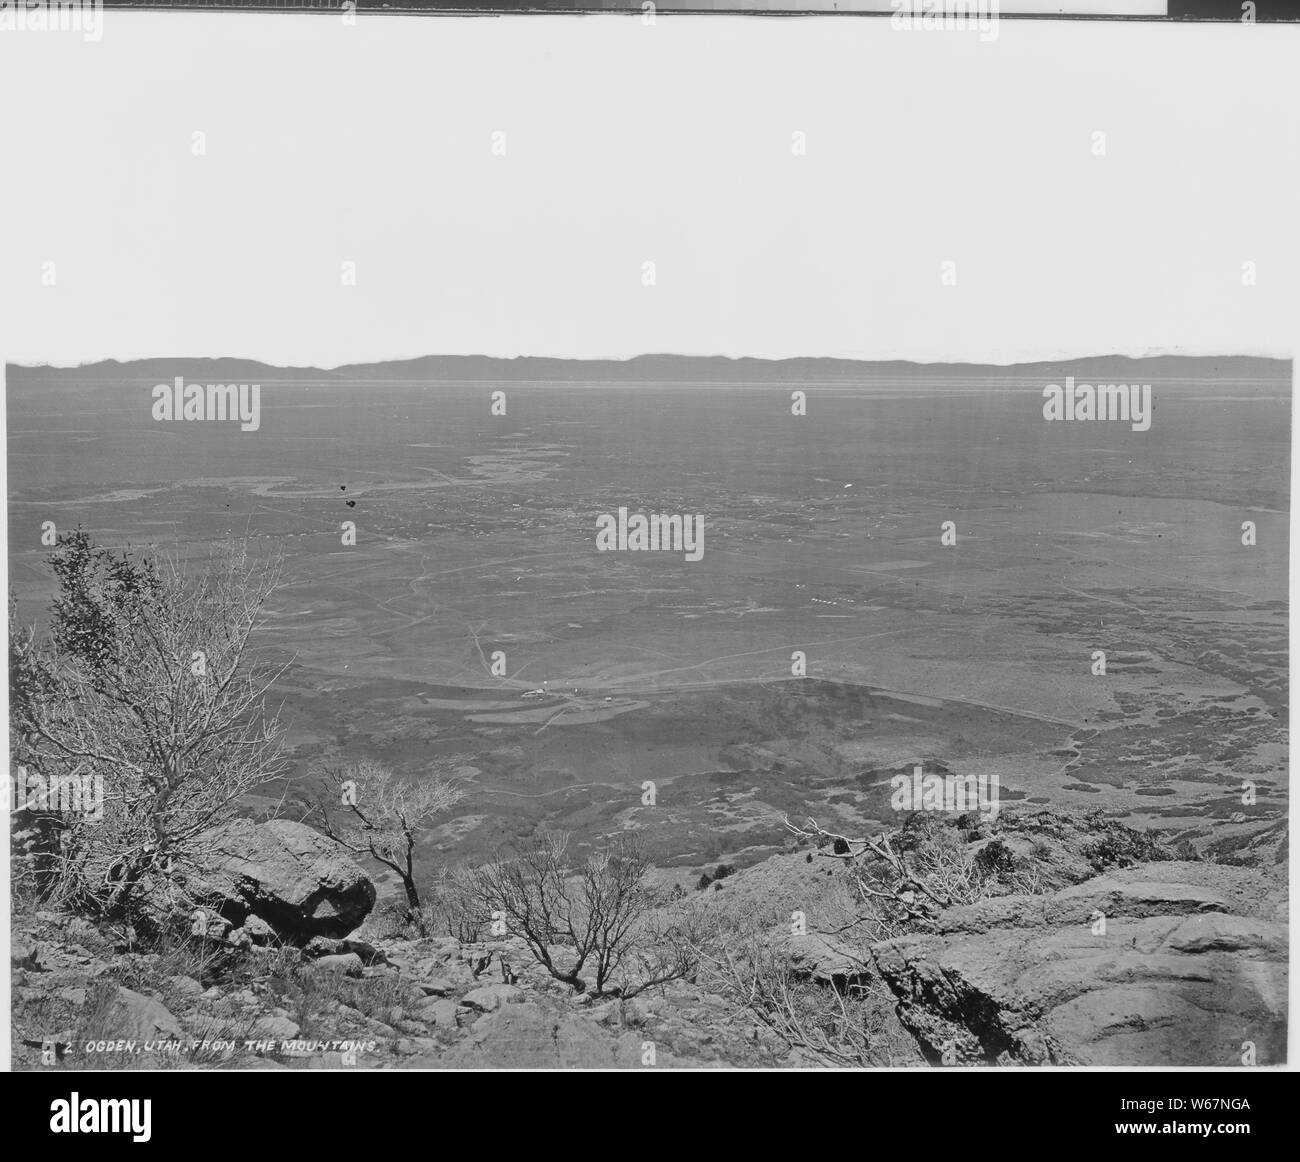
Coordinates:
<point>1190,969</point>
<point>424,1004</point>
<point>1116,955</point>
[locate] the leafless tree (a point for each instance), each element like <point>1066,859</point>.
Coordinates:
<point>911,873</point>
<point>373,812</point>
<point>880,875</point>
<point>593,914</point>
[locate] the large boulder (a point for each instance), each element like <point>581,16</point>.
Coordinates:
<point>299,882</point>
<point>1188,967</point>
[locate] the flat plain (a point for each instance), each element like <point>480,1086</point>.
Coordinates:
<point>476,533</point>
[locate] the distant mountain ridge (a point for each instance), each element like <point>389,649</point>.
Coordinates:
<point>667,369</point>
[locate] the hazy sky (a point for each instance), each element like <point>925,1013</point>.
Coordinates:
<point>627,144</point>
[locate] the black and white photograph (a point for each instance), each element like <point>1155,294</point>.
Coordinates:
<point>607,544</point>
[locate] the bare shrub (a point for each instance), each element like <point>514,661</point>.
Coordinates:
<point>317,991</point>
<point>593,914</point>
<point>828,1026</point>
<point>456,909</point>
<point>904,877</point>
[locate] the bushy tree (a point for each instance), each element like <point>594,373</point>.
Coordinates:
<point>147,685</point>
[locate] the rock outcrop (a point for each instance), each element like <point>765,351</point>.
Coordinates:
<point>299,882</point>
<point>1168,963</point>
